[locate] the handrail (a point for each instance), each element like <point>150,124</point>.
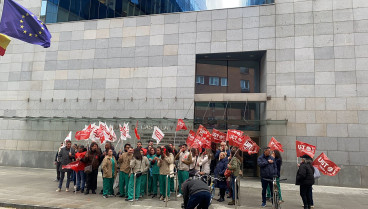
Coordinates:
<point>236,187</point>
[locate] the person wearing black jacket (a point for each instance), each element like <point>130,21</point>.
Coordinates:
<point>220,174</point>
<point>268,168</point>
<point>92,158</point>
<point>58,164</point>
<point>196,194</point>
<point>305,178</point>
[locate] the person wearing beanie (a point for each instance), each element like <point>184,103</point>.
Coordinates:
<point>305,178</point>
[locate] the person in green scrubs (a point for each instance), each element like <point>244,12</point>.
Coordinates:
<point>109,167</point>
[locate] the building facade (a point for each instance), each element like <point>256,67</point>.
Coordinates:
<point>292,69</point>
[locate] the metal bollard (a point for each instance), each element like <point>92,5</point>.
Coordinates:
<point>236,187</point>
<point>147,183</point>
<point>134,180</point>
<point>176,186</point>
<point>167,182</point>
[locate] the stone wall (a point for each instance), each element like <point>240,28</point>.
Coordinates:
<point>314,71</point>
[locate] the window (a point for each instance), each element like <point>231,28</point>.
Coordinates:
<point>200,79</point>
<point>244,85</point>
<point>244,70</point>
<point>223,81</point>
<point>214,81</point>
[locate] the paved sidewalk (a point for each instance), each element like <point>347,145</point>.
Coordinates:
<point>35,187</point>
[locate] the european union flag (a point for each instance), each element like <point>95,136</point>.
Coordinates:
<point>21,24</point>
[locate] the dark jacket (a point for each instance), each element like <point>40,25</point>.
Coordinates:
<point>64,157</point>
<point>219,173</point>
<point>93,159</point>
<point>268,170</point>
<point>191,187</point>
<point>278,165</point>
<point>305,174</point>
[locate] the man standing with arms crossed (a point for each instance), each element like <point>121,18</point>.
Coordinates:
<point>185,159</point>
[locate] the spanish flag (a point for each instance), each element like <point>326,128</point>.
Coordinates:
<point>4,42</point>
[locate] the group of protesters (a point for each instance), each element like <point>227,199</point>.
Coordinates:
<point>158,163</point>
<point>154,168</point>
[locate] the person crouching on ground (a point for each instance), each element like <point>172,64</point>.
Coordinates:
<point>220,174</point>
<point>65,157</point>
<point>109,167</point>
<point>124,162</point>
<point>136,168</point>
<point>196,194</point>
<point>305,178</point>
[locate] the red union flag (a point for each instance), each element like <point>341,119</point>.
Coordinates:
<point>158,135</point>
<point>75,166</point>
<point>204,133</point>
<point>180,125</point>
<point>249,146</point>
<point>197,142</point>
<point>325,165</point>
<point>275,145</point>
<point>191,137</point>
<point>206,143</point>
<point>234,137</point>
<point>84,134</point>
<point>218,136</point>
<point>136,131</point>
<point>303,148</point>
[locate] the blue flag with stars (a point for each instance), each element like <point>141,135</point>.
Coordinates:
<point>20,23</point>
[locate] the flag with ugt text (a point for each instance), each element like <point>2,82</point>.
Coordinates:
<point>303,148</point>
<point>191,137</point>
<point>113,137</point>
<point>197,142</point>
<point>124,131</point>
<point>180,125</point>
<point>158,135</point>
<point>234,137</point>
<point>75,166</point>
<point>204,133</point>
<point>275,145</point>
<point>249,146</point>
<point>325,165</point>
<point>84,134</point>
<point>20,23</point>
<point>218,136</point>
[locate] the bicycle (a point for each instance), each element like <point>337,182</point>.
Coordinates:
<point>276,204</point>
<point>210,180</point>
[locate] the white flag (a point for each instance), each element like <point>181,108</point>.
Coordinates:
<point>112,134</point>
<point>124,131</point>
<point>69,137</point>
<point>158,135</point>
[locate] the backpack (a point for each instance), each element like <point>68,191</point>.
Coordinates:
<point>316,174</point>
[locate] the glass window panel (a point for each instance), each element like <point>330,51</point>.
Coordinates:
<point>116,8</point>
<point>224,74</point>
<point>199,79</point>
<point>223,115</point>
<point>223,81</point>
<point>214,81</point>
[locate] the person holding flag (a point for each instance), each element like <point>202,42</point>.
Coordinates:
<point>65,157</point>
<point>234,166</point>
<point>305,178</point>
<point>184,160</point>
<point>268,168</point>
